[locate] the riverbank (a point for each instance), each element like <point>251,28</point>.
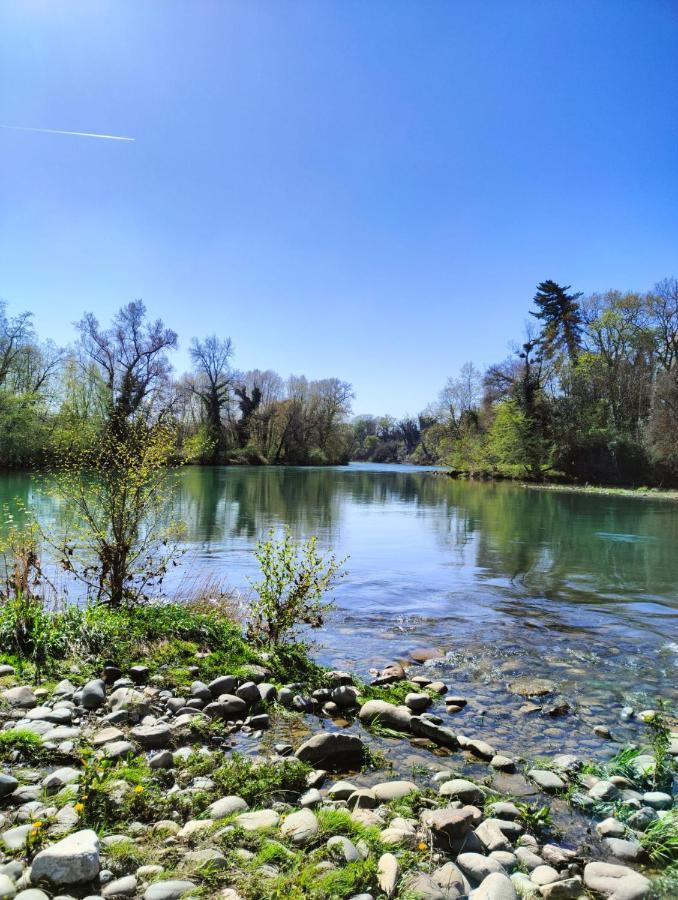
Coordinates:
<point>649,493</point>
<point>160,756</point>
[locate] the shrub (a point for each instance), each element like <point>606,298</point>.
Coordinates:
<point>295,578</point>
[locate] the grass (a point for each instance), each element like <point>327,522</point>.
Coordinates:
<point>25,743</point>
<point>660,839</point>
<point>170,638</point>
<point>665,886</point>
<point>392,693</point>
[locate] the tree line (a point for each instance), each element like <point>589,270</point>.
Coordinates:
<point>590,394</point>
<point>114,377</point>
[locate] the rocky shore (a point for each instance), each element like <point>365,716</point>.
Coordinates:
<point>128,786</point>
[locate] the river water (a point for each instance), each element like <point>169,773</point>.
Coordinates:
<point>506,580</point>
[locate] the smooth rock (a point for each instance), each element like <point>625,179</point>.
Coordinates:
<point>388,872</point>
<point>259,819</point>
<point>546,780</point>
<point>224,807</point>
<point>616,882</point>
<point>386,791</point>
<point>300,827</point>
<point>73,860</point>
<point>386,714</point>
<point>495,886</point>
<point>336,750</point>
<point>461,789</point>
<point>168,890</point>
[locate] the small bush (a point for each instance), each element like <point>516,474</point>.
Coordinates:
<point>295,578</point>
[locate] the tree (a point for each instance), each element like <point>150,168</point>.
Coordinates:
<point>15,334</point>
<point>117,490</point>
<point>663,308</point>
<point>462,395</point>
<point>560,316</point>
<point>131,358</point>
<point>213,382</point>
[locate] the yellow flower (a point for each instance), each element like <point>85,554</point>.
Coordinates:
<point>79,807</point>
<point>37,824</point>
<point>423,846</point>
<point>138,789</point>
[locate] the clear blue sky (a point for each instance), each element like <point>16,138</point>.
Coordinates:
<point>362,188</point>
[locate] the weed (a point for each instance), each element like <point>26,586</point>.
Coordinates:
<point>25,743</point>
<point>660,839</point>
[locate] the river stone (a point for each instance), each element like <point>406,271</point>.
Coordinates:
<point>259,819</point>
<point>224,684</point>
<point>168,890</point>
<point>333,750</point>
<point>604,791</point>
<point>8,785</point>
<point>106,736</point>
<point>491,836</point>
<point>423,654</point>
<point>616,882</point>
<point>300,827</point>
<point>477,747</point>
<point>461,789</point>
<point>59,779</point>
<point>642,818</point>
<point>547,781</point>
<point>544,875</point>
<point>19,697</point>
<point>342,790</point>
<point>129,700</point>
<point>421,886</point>
<point>388,872</point>
<point>610,827</point>
<point>341,846</point>
<point>566,889</point>
<point>452,881</point>
<point>363,798</point>
<point>116,749</point>
<point>15,838</point>
<point>152,737</point>
<point>387,791</point>
<point>386,714</point>
<point>477,867</point>
<point>505,810</point>
<point>449,822</point>
<point>495,886</point>
<point>228,706</point>
<point>222,808</point>
<point>93,694</point>
<point>32,894</point>
<point>526,686</point>
<point>417,702</point>
<point>658,800</point>
<point>7,888</point>
<point>120,888</point>
<point>525,888</point>
<point>439,734</point>
<point>503,763</point>
<point>629,851</point>
<point>73,860</point>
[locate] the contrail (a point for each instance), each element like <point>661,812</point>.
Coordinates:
<point>103,137</point>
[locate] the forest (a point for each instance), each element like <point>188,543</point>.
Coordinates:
<point>590,395</point>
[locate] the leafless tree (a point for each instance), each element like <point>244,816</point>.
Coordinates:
<point>131,357</point>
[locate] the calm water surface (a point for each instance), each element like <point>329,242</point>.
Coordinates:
<point>508,580</point>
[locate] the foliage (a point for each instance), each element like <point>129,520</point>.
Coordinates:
<point>117,491</point>
<point>17,740</point>
<point>660,839</point>
<point>295,578</point>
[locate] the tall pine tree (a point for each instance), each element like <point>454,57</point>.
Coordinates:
<point>560,316</point>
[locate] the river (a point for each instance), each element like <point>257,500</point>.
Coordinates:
<point>507,580</point>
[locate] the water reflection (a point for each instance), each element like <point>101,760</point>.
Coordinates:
<point>423,547</point>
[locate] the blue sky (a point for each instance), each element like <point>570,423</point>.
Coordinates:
<point>364,188</point>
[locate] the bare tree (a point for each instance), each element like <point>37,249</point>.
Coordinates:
<point>15,334</point>
<point>663,309</point>
<point>214,381</point>
<point>463,394</point>
<point>131,357</point>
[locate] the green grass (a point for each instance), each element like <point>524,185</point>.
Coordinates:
<point>660,839</point>
<point>26,743</point>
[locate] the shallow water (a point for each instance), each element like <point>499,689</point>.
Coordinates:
<point>509,580</point>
